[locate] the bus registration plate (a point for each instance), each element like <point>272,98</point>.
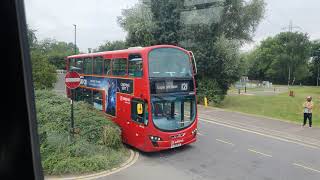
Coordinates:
<point>176,143</point>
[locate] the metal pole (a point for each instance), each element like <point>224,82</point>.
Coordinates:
<point>72,90</point>
<point>318,76</point>
<point>72,118</point>
<point>75,39</point>
<point>289,77</point>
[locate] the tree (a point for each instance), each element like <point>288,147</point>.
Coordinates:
<point>56,51</point>
<point>281,58</point>
<point>112,45</point>
<point>215,43</point>
<point>139,24</point>
<point>314,66</point>
<point>167,26</point>
<point>32,39</point>
<point>43,73</point>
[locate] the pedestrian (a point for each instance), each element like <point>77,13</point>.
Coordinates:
<point>307,112</point>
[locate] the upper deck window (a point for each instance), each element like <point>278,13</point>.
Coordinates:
<point>98,65</point>
<point>87,66</point>
<point>119,67</point>
<point>135,66</point>
<point>78,66</point>
<point>107,67</point>
<point>71,64</point>
<point>169,62</point>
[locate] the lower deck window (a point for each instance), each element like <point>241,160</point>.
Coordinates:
<point>93,97</point>
<point>97,100</point>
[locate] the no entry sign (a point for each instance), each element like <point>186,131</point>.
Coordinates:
<point>72,80</point>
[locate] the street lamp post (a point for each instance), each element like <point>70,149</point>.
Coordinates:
<point>75,39</point>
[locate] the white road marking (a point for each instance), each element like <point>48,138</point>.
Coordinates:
<point>257,152</point>
<point>305,167</point>
<point>261,134</point>
<point>226,142</point>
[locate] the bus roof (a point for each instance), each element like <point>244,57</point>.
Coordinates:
<point>131,50</point>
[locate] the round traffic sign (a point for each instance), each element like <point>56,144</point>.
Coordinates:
<point>72,80</point>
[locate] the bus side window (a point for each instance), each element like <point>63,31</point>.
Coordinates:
<point>78,66</point>
<point>140,118</point>
<point>78,94</point>
<point>146,114</point>
<point>135,65</point>
<point>107,67</point>
<point>119,67</point>
<point>97,66</point>
<point>87,95</point>
<point>71,64</point>
<point>97,100</point>
<point>87,66</point>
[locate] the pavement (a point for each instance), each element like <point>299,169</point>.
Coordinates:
<point>60,87</point>
<point>260,91</point>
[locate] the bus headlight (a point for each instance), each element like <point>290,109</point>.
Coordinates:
<point>155,138</point>
<point>194,132</point>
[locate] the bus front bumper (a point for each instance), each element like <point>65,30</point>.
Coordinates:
<point>163,145</point>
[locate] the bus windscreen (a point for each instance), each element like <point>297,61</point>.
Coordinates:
<point>169,62</point>
<point>172,113</point>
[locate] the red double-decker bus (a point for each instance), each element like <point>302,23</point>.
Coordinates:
<point>149,92</point>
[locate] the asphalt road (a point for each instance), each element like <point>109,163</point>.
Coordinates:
<point>227,153</point>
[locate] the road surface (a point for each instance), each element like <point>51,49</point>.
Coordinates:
<point>227,152</point>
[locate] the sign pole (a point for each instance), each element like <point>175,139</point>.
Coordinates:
<point>72,119</point>
<point>72,81</point>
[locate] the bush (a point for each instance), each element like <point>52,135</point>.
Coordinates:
<point>43,73</point>
<point>209,88</point>
<point>96,146</point>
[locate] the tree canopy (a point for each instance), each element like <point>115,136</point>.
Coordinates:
<point>112,45</point>
<point>56,51</point>
<point>46,56</point>
<point>277,58</point>
<point>214,31</point>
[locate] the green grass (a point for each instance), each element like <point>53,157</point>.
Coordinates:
<point>280,106</point>
<point>97,145</point>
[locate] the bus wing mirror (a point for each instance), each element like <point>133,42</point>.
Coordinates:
<point>139,109</point>
<point>194,63</point>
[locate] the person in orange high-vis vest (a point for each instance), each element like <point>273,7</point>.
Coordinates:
<point>307,111</point>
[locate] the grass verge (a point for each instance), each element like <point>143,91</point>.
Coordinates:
<point>97,145</point>
<point>280,106</point>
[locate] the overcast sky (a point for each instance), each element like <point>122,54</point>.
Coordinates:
<point>96,20</point>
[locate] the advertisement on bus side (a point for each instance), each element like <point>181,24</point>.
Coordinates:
<point>111,86</point>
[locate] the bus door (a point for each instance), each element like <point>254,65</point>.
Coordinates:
<point>138,122</point>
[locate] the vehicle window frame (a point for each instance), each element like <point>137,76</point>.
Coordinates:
<point>180,99</point>
<point>85,64</point>
<point>80,71</point>
<point>129,60</point>
<point>93,98</point>
<point>104,67</point>
<point>71,62</point>
<point>187,55</point>
<point>94,60</point>
<point>113,67</point>
<point>134,102</point>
